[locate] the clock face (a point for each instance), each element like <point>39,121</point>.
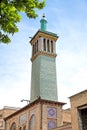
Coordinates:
<point>51,112</point>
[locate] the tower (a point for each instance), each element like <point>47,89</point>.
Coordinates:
<point>43,77</point>
<point>43,112</point>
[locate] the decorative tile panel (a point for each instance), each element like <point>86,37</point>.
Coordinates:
<point>43,80</point>
<point>23,118</point>
<point>51,112</point>
<point>51,125</point>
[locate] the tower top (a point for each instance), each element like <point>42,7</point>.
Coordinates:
<point>43,22</point>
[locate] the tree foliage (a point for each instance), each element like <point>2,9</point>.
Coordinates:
<point>9,15</point>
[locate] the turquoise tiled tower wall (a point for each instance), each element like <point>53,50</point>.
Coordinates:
<point>43,82</point>
<point>43,76</point>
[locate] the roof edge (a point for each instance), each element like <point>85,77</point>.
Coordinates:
<point>39,100</point>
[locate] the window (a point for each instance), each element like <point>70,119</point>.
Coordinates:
<point>33,51</point>
<point>34,48</point>
<point>37,46</point>
<point>32,123</point>
<point>82,112</point>
<point>52,46</point>
<point>44,44</point>
<point>48,46</point>
<point>13,126</point>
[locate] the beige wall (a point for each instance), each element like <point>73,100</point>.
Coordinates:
<point>77,101</point>
<point>6,111</point>
<point>66,116</point>
<point>40,111</point>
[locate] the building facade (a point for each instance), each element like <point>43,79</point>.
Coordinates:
<point>38,115</point>
<point>5,112</point>
<point>43,77</point>
<point>79,111</point>
<point>44,112</point>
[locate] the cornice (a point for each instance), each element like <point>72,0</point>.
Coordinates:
<point>43,53</point>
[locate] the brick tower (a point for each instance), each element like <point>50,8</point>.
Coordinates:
<point>43,77</point>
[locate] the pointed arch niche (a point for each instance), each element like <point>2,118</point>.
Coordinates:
<point>13,126</point>
<point>32,122</point>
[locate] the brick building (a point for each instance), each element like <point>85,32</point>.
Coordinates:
<point>5,112</point>
<point>45,112</point>
<point>79,111</point>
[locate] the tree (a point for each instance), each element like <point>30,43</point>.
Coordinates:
<point>10,15</point>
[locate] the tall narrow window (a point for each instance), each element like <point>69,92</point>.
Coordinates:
<point>52,46</point>
<point>37,46</point>
<point>33,50</point>
<point>44,44</point>
<point>48,46</point>
<point>32,123</point>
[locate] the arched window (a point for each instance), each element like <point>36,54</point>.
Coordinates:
<point>51,125</point>
<point>48,46</point>
<point>13,126</point>
<point>52,46</point>
<point>32,123</point>
<point>44,44</point>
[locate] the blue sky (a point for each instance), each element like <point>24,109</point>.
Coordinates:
<point>66,18</point>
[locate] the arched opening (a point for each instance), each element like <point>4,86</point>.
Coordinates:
<point>44,44</point>
<point>37,46</point>
<point>13,126</point>
<point>48,46</point>
<point>32,123</point>
<point>52,46</point>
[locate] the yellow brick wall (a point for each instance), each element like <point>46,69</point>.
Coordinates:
<point>40,111</point>
<point>77,100</point>
<point>67,116</point>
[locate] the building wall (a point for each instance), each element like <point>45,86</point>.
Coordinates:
<point>6,111</point>
<point>39,116</point>
<point>43,81</point>
<point>77,101</point>
<point>66,116</point>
